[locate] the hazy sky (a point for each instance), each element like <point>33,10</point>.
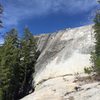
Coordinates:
<point>45,16</point>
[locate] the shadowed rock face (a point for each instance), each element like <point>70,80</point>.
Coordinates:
<point>60,66</point>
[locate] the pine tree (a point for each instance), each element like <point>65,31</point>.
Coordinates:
<point>96,54</point>
<point>28,60</point>
<point>8,64</point>
<point>17,61</point>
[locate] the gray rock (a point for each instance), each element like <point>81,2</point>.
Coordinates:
<point>58,48</point>
<point>60,66</point>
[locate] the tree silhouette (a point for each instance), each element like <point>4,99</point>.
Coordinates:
<point>1,12</point>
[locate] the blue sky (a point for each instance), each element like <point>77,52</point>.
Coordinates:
<point>46,16</point>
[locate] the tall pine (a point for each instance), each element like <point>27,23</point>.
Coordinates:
<point>8,65</point>
<point>96,54</point>
<point>28,60</point>
<point>17,61</point>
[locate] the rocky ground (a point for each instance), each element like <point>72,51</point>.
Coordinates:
<point>59,72</point>
<point>67,87</point>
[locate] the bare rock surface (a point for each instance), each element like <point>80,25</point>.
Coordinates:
<point>65,52</point>
<point>64,88</point>
<point>59,73</point>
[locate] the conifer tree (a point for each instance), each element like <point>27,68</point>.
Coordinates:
<point>96,54</point>
<point>8,64</point>
<point>28,60</point>
<point>17,61</point>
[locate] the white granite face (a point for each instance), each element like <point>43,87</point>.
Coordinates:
<point>64,52</point>
<point>64,55</point>
<point>63,88</point>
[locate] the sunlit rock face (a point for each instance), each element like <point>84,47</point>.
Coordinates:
<point>65,52</point>
<point>60,66</point>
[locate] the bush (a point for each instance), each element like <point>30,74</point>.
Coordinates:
<point>88,70</point>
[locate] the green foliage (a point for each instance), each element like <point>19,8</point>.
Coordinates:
<point>17,61</point>
<point>95,58</point>
<point>88,70</point>
<point>9,61</point>
<point>28,60</point>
